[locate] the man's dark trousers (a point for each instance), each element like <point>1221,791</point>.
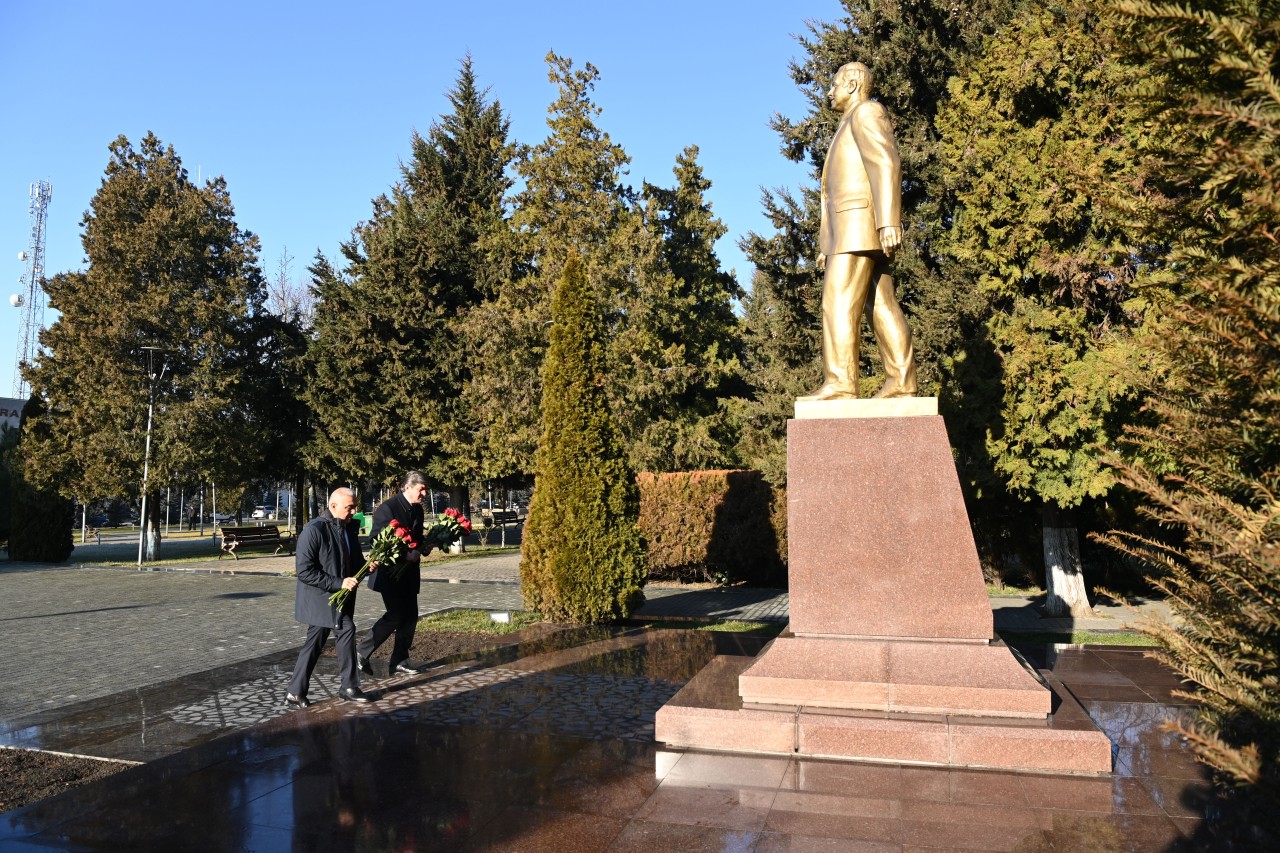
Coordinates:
<point>400,619</point>
<point>345,642</point>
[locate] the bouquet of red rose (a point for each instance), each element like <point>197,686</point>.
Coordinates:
<point>387,550</point>
<point>451,527</point>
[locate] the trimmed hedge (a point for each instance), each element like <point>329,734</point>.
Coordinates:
<point>720,526</point>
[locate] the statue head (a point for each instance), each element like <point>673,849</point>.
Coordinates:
<point>851,84</point>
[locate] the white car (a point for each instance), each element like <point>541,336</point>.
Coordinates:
<point>221,517</point>
<point>261,512</point>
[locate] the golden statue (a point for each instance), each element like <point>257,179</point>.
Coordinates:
<point>861,229</point>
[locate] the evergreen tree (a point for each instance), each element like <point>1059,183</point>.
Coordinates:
<point>1037,141</point>
<point>42,533</point>
<point>913,49</point>
<point>168,268</point>
<point>1209,468</point>
<point>414,271</point>
<point>573,200</point>
<point>686,424</point>
<point>581,560</point>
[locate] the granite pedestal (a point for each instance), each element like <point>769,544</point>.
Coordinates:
<point>890,654</point>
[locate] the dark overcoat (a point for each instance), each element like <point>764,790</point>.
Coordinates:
<point>409,515</point>
<point>321,566</point>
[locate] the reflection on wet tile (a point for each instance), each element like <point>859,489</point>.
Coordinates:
<point>832,816</point>
<point>545,747</point>
<point>728,808</point>
<point>1143,760</point>
<point>772,842</point>
<point>536,830</point>
<point>1094,832</point>
<point>728,770</point>
<point>641,836</point>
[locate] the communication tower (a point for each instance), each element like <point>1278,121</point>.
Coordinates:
<point>31,297</point>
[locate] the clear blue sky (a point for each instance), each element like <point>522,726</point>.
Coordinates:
<point>307,108</point>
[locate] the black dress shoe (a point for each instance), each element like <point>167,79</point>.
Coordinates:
<point>365,666</point>
<point>355,694</point>
<point>404,668</point>
<point>296,701</point>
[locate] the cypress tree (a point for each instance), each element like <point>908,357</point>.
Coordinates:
<point>1038,139</point>
<point>582,559</point>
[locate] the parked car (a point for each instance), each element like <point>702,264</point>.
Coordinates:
<point>262,512</point>
<point>222,517</point>
<point>98,520</point>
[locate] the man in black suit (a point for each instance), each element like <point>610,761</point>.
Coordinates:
<point>399,594</point>
<point>328,556</point>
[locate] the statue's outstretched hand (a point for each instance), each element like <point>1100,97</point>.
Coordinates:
<point>822,262</point>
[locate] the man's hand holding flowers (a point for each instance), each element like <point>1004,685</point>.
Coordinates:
<point>388,549</point>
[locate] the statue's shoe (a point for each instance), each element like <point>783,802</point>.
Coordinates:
<point>889,391</point>
<point>829,392</point>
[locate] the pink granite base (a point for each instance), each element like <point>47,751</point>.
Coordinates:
<point>886,675</point>
<point>1073,746</point>
<point>877,533</point>
<point>890,656</point>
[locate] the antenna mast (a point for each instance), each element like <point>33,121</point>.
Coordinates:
<point>31,297</point>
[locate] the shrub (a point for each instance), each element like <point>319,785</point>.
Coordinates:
<point>718,526</point>
<point>581,559</point>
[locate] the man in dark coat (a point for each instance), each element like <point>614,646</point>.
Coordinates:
<point>328,556</point>
<point>399,593</point>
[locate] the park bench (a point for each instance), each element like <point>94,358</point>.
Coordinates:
<point>235,538</point>
<point>504,516</point>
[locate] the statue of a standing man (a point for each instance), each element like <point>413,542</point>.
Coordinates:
<point>861,229</point>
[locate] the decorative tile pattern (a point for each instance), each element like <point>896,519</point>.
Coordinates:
<point>249,703</point>
<point>582,705</point>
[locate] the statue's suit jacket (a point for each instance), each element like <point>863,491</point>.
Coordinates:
<point>861,182</point>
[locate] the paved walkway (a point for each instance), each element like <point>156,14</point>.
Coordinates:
<point>72,634</point>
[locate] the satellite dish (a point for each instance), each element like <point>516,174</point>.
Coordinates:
<point>22,256</point>
<point>16,300</point>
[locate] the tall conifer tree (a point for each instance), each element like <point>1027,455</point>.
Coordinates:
<point>392,336</point>
<point>1038,139</point>
<point>168,268</point>
<point>581,560</point>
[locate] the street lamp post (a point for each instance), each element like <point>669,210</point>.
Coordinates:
<point>146,455</point>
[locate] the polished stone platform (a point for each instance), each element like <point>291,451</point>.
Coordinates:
<point>548,747</point>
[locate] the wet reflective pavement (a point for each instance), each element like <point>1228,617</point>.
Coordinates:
<point>549,746</point>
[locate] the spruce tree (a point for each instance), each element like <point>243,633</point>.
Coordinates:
<point>393,332</point>
<point>581,560</point>
<point>685,424</point>
<point>574,200</point>
<point>167,268</point>
<point>1209,467</point>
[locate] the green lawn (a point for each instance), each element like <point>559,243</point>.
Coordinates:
<point>477,622</point>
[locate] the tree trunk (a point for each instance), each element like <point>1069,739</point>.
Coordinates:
<point>1063,572</point>
<point>151,529</point>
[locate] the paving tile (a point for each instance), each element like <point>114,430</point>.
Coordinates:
<point>772,842</point>
<point>744,809</point>
<point>642,836</point>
